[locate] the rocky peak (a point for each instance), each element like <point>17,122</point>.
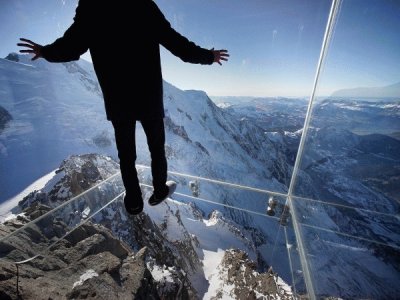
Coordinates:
<point>89,263</point>
<point>240,272</point>
<point>12,56</point>
<point>75,175</point>
<point>5,117</point>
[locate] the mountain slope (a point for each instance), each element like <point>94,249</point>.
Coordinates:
<point>57,111</point>
<point>53,109</point>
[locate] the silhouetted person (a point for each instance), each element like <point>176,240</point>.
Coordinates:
<point>121,41</point>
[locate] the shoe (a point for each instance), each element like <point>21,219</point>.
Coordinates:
<point>133,207</point>
<point>171,185</point>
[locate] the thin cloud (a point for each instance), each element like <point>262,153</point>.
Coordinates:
<point>245,62</point>
<point>274,34</point>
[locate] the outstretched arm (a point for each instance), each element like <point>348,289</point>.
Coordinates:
<point>33,48</point>
<point>178,44</point>
<point>71,45</point>
<point>220,55</point>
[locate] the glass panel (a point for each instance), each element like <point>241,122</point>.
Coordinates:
<point>345,194</point>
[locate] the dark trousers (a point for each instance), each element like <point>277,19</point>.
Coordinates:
<point>126,146</point>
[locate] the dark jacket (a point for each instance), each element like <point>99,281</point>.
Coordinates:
<point>124,45</point>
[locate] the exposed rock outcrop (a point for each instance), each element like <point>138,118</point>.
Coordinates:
<point>240,273</point>
<point>87,264</point>
<point>5,117</point>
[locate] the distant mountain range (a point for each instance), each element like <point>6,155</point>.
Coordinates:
<point>389,91</point>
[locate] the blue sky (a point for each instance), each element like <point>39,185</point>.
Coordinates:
<point>274,44</point>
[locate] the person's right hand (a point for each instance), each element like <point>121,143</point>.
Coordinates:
<point>34,48</point>
<point>220,55</point>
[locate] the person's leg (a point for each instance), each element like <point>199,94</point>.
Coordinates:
<point>126,146</point>
<point>155,133</point>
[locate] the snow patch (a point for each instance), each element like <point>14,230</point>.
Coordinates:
<point>85,276</point>
<point>7,206</point>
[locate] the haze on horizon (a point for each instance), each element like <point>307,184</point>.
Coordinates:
<point>274,45</point>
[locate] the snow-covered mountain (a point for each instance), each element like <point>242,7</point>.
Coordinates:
<point>54,110</point>
<point>276,114</point>
<point>360,116</point>
<point>283,114</point>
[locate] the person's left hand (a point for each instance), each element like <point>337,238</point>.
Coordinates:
<point>34,48</point>
<point>220,55</point>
